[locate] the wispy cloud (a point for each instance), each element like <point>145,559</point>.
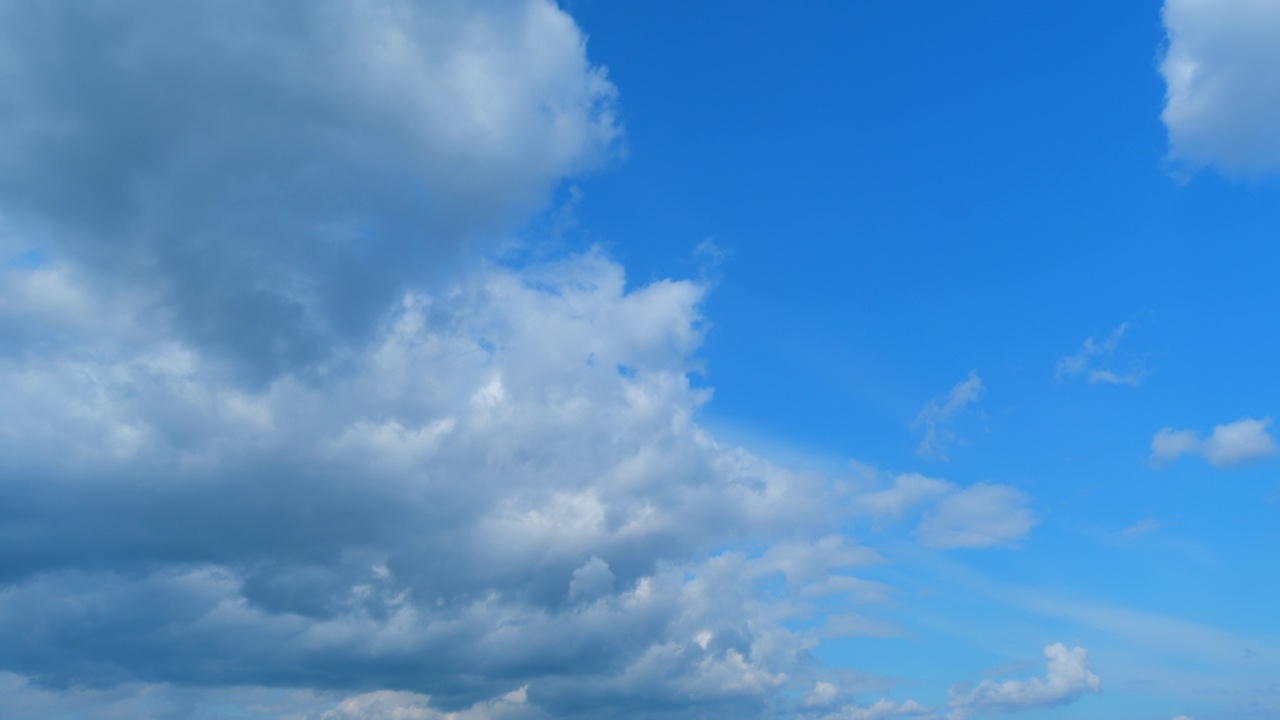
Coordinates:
<point>1141,527</point>
<point>936,416</point>
<point>1238,443</point>
<point>976,516</point>
<point>1095,361</point>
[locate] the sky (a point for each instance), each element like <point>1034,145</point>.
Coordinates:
<point>513,360</point>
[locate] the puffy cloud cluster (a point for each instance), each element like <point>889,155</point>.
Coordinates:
<point>1222,70</point>
<point>507,486</point>
<point>1067,678</point>
<point>1241,442</point>
<point>269,442</point>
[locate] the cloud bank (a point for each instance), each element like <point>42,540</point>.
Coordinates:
<point>279,435</point>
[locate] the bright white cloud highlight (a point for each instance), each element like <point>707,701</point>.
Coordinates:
<point>1222,71</point>
<point>936,416</point>
<point>883,709</point>
<point>1067,678</point>
<point>1238,443</point>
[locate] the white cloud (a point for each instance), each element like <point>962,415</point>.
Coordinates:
<point>271,427</point>
<point>978,516</point>
<point>935,417</point>
<point>882,709</point>
<point>389,705</point>
<point>481,498</point>
<point>1238,443</point>
<point>908,491</point>
<point>1094,357</point>
<point>1068,677</point>
<point>1222,71</point>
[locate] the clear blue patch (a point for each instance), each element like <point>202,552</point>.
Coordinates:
<point>29,260</point>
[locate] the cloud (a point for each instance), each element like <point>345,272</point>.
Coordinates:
<point>883,709</point>
<point>278,434</point>
<point>267,180</point>
<point>936,415</point>
<point>1238,443</point>
<point>388,705</point>
<point>1068,677</point>
<point>1089,360</point>
<point>1141,527</point>
<point>483,499</point>
<point>978,516</point>
<point>907,491</point>
<point>1222,71</point>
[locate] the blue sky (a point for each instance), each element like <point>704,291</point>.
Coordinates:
<point>513,360</point>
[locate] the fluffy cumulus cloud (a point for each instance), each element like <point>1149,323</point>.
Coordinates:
<point>278,435</point>
<point>1222,70</point>
<point>936,416</point>
<point>1238,443</point>
<point>1067,678</point>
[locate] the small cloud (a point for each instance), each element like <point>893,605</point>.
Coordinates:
<point>908,490</point>
<point>1238,443</point>
<point>978,516</point>
<point>936,415</point>
<point>1067,678</point>
<point>1142,527</point>
<point>1094,359</point>
<point>883,709</point>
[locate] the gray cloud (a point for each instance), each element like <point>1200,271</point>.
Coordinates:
<point>1223,85</point>
<point>266,179</point>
